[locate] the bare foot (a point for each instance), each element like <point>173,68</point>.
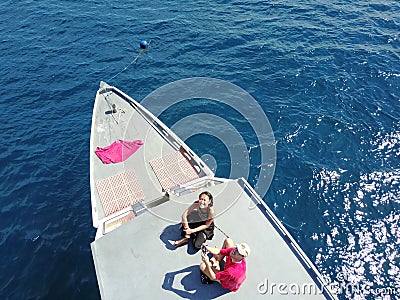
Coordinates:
<point>180,242</point>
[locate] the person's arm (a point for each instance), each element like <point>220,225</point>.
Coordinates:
<point>209,270</point>
<point>199,228</point>
<point>187,211</point>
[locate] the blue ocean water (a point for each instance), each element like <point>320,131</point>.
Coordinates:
<point>326,74</point>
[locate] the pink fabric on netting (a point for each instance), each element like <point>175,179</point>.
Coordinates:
<point>118,151</point>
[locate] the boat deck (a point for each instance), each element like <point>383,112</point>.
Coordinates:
<point>137,260</point>
<point>131,123</point>
<point>137,205</point>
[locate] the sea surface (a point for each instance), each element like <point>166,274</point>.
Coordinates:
<point>325,73</point>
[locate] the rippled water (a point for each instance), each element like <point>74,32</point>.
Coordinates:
<point>327,75</point>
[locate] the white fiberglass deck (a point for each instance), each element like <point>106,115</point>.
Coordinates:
<point>137,261</point>
<point>136,208</point>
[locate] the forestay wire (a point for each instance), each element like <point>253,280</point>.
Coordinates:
<point>227,236</point>
<point>144,45</point>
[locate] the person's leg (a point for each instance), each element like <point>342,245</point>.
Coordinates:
<point>185,237</point>
<point>199,240</point>
<point>183,232</point>
<point>183,240</point>
<point>215,264</point>
<point>180,242</point>
<point>204,269</point>
<point>216,259</point>
<point>228,243</point>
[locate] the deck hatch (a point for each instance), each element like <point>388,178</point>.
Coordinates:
<point>119,191</point>
<point>173,170</point>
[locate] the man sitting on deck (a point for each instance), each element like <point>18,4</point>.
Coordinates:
<point>234,272</point>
